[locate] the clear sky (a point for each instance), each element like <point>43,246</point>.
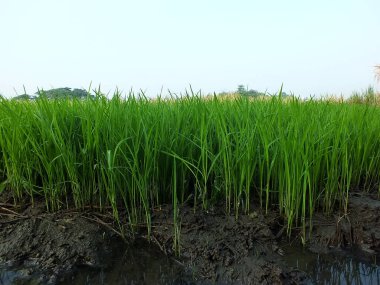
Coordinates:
<point>313,47</point>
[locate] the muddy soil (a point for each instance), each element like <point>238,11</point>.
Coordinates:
<point>223,249</point>
<point>214,247</point>
<point>360,226</point>
<point>50,246</point>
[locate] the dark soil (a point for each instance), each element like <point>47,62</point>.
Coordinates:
<point>214,247</point>
<point>53,245</point>
<point>359,227</point>
<point>220,248</point>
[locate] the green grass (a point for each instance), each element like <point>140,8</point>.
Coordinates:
<point>135,154</point>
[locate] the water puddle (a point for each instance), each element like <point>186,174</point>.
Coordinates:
<point>342,267</point>
<point>18,277</point>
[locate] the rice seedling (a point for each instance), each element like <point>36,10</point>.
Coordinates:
<point>135,154</point>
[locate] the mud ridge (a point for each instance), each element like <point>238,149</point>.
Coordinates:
<point>214,247</point>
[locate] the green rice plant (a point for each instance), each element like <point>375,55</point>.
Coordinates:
<point>134,154</point>
<point>15,146</point>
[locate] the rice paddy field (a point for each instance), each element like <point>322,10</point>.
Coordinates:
<point>135,154</point>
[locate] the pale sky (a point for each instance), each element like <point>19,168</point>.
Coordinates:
<point>312,47</point>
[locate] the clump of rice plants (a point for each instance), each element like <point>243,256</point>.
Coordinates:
<point>135,153</point>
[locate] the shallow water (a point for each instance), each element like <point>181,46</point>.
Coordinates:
<point>145,264</point>
<point>340,267</point>
<point>17,277</point>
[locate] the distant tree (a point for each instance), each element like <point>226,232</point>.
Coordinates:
<point>24,97</point>
<point>252,93</point>
<point>79,93</point>
<point>241,89</point>
<point>284,94</point>
<point>377,72</point>
<point>66,92</point>
<point>55,93</point>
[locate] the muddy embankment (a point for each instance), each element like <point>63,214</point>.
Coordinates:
<point>214,247</point>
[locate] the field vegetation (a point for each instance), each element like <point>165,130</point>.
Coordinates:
<point>135,154</point>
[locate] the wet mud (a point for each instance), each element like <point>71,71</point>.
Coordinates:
<point>214,248</point>
<point>360,226</point>
<point>49,247</point>
<point>225,249</point>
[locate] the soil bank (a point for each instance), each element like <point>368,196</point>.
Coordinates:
<point>214,247</point>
